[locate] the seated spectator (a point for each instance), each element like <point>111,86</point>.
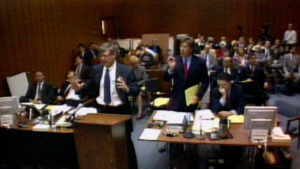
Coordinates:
<point>147,57</point>
<point>227,98</point>
<point>250,45</point>
<point>277,47</point>
<point>121,51</point>
<point>209,58</point>
<point>155,47</point>
<point>67,94</point>
<point>39,91</point>
<point>241,59</point>
<point>91,55</point>
<point>80,50</point>
<point>267,51</point>
<point>199,44</point>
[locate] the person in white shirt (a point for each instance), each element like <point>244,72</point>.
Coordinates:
<point>290,36</point>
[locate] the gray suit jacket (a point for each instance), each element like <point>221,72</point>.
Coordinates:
<point>212,60</point>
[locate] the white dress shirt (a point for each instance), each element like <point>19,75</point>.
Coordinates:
<point>290,36</point>
<point>72,94</point>
<point>115,99</point>
<point>36,91</point>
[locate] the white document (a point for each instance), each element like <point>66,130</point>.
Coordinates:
<point>171,117</point>
<point>18,84</point>
<point>150,134</point>
<point>84,111</point>
<point>41,126</point>
<point>205,114</point>
<point>39,106</point>
<point>55,110</point>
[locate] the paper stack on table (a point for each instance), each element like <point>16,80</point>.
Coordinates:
<point>171,117</point>
<point>150,134</point>
<point>206,121</point>
<point>278,135</point>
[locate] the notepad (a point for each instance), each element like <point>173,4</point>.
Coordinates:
<point>236,119</point>
<point>171,117</point>
<point>150,134</point>
<point>161,101</point>
<point>190,93</point>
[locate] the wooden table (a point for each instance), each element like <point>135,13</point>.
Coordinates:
<point>241,137</point>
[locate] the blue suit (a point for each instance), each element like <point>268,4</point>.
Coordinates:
<point>197,73</point>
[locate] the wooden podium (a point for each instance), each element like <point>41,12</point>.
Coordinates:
<point>101,141</point>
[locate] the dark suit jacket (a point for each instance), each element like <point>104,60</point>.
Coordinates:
<point>197,74</point>
<point>92,86</point>
<point>85,73</point>
<point>258,76</point>
<point>156,49</point>
<point>234,73</point>
<point>47,94</point>
<point>236,97</point>
<point>88,57</point>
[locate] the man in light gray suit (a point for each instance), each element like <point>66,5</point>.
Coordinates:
<point>209,58</point>
<point>290,63</point>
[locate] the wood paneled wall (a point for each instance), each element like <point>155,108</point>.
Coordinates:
<point>41,34</point>
<point>208,17</point>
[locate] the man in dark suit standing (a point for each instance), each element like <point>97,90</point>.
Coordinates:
<point>228,99</point>
<point>40,91</point>
<point>186,71</point>
<point>111,86</point>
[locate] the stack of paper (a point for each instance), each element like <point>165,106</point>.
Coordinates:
<point>150,134</point>
<point>205,121</point>
<point>84,111</point>
<point>171,117</point>
<point>41,126</point>
<point>279,136</point>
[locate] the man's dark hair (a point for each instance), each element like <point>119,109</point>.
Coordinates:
<point>224,76</point>
<point>189,41</point>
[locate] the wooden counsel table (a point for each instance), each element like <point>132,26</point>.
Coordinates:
<point>97,141</point>
<point>241,137</point>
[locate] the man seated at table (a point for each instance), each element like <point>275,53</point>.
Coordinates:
<point>67,94</point>
<point>40,91</point>
<point>228,67</point>
<point>227,98</point>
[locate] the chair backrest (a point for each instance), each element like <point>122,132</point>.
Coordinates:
<point>18,84</point>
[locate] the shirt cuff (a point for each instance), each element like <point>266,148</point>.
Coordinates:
<point>233,112</point>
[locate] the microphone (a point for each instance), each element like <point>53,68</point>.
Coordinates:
<point>72,116</point>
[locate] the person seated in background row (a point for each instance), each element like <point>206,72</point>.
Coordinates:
<point>155,47</point>
<point>259,53</point>
<point>228,67</point>
<point>199,44</point>
<point>67,94</point>
<point>141,76</point>
<point>81,70</point>
<point>250,45</point>
<point>277,48</point>
<point>227,98</point>
<point>80,50</point>
<point>241,59</point>
<point>186,71</point>
<point>91,55</point>
<point>121,51</point>
<point>209,58</point>
<point>147,57</point>
<point>40,91</point>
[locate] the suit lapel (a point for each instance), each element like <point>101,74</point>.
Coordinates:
<point>191,67</point>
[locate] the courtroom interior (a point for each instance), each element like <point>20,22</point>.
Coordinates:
<point>145,84</point>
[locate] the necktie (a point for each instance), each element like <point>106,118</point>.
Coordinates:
<point>107,97</point>
<point>39,94</point>
<point>185,68</point>
<point>78,70</point>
